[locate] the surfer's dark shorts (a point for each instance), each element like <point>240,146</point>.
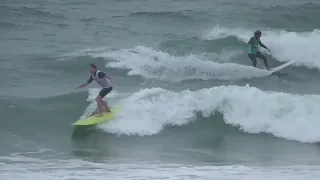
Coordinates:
<point>105,91</point>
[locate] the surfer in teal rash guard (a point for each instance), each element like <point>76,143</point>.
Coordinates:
<point>104,81</point>
<point>254,52</point>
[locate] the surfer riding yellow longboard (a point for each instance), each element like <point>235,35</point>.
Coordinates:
<point>104,81</point>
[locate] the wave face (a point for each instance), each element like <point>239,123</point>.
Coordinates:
<point>288,116</point>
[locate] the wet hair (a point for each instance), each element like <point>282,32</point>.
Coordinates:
<point>257,33</point>
<point>93,66</point>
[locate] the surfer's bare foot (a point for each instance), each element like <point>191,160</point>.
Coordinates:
<point>107,110</point>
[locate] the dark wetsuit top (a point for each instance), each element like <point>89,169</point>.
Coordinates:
<point>253,45</point>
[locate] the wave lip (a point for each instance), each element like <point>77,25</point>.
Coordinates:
<point>150,63</point>
<point>292,117</point>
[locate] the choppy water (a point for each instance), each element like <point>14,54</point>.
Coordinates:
<point>193,107</point>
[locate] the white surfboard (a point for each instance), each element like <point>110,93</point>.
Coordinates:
<point>273,70</point>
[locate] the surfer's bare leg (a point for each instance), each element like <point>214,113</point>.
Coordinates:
<point>104,104</point>
<point>99,104</point>
<point>100,101</point>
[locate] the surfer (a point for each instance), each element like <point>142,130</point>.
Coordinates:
<point>104,81</point>
<point>254,49</point>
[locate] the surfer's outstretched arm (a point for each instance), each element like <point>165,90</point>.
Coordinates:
<point>262,45</point>
<point>82,85</point>
<point>85,84</point>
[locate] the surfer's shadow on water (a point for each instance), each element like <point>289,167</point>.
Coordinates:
<point>83,132</point>
<point>89,143</point>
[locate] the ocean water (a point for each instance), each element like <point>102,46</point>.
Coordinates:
<point>193,106</point>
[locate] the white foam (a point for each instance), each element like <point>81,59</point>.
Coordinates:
<point>51,169</point>
<point>293,117</point>
<point>151,63</point>
<point>284,45</point>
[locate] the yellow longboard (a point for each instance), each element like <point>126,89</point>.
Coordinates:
<point>92,120</point>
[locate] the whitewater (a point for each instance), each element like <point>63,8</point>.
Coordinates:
<point>252,110</point>
<point>149,111</point>
<point>192,105</point>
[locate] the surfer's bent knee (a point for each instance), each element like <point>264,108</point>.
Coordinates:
<point>98,98</point>
<point>261,56</point>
